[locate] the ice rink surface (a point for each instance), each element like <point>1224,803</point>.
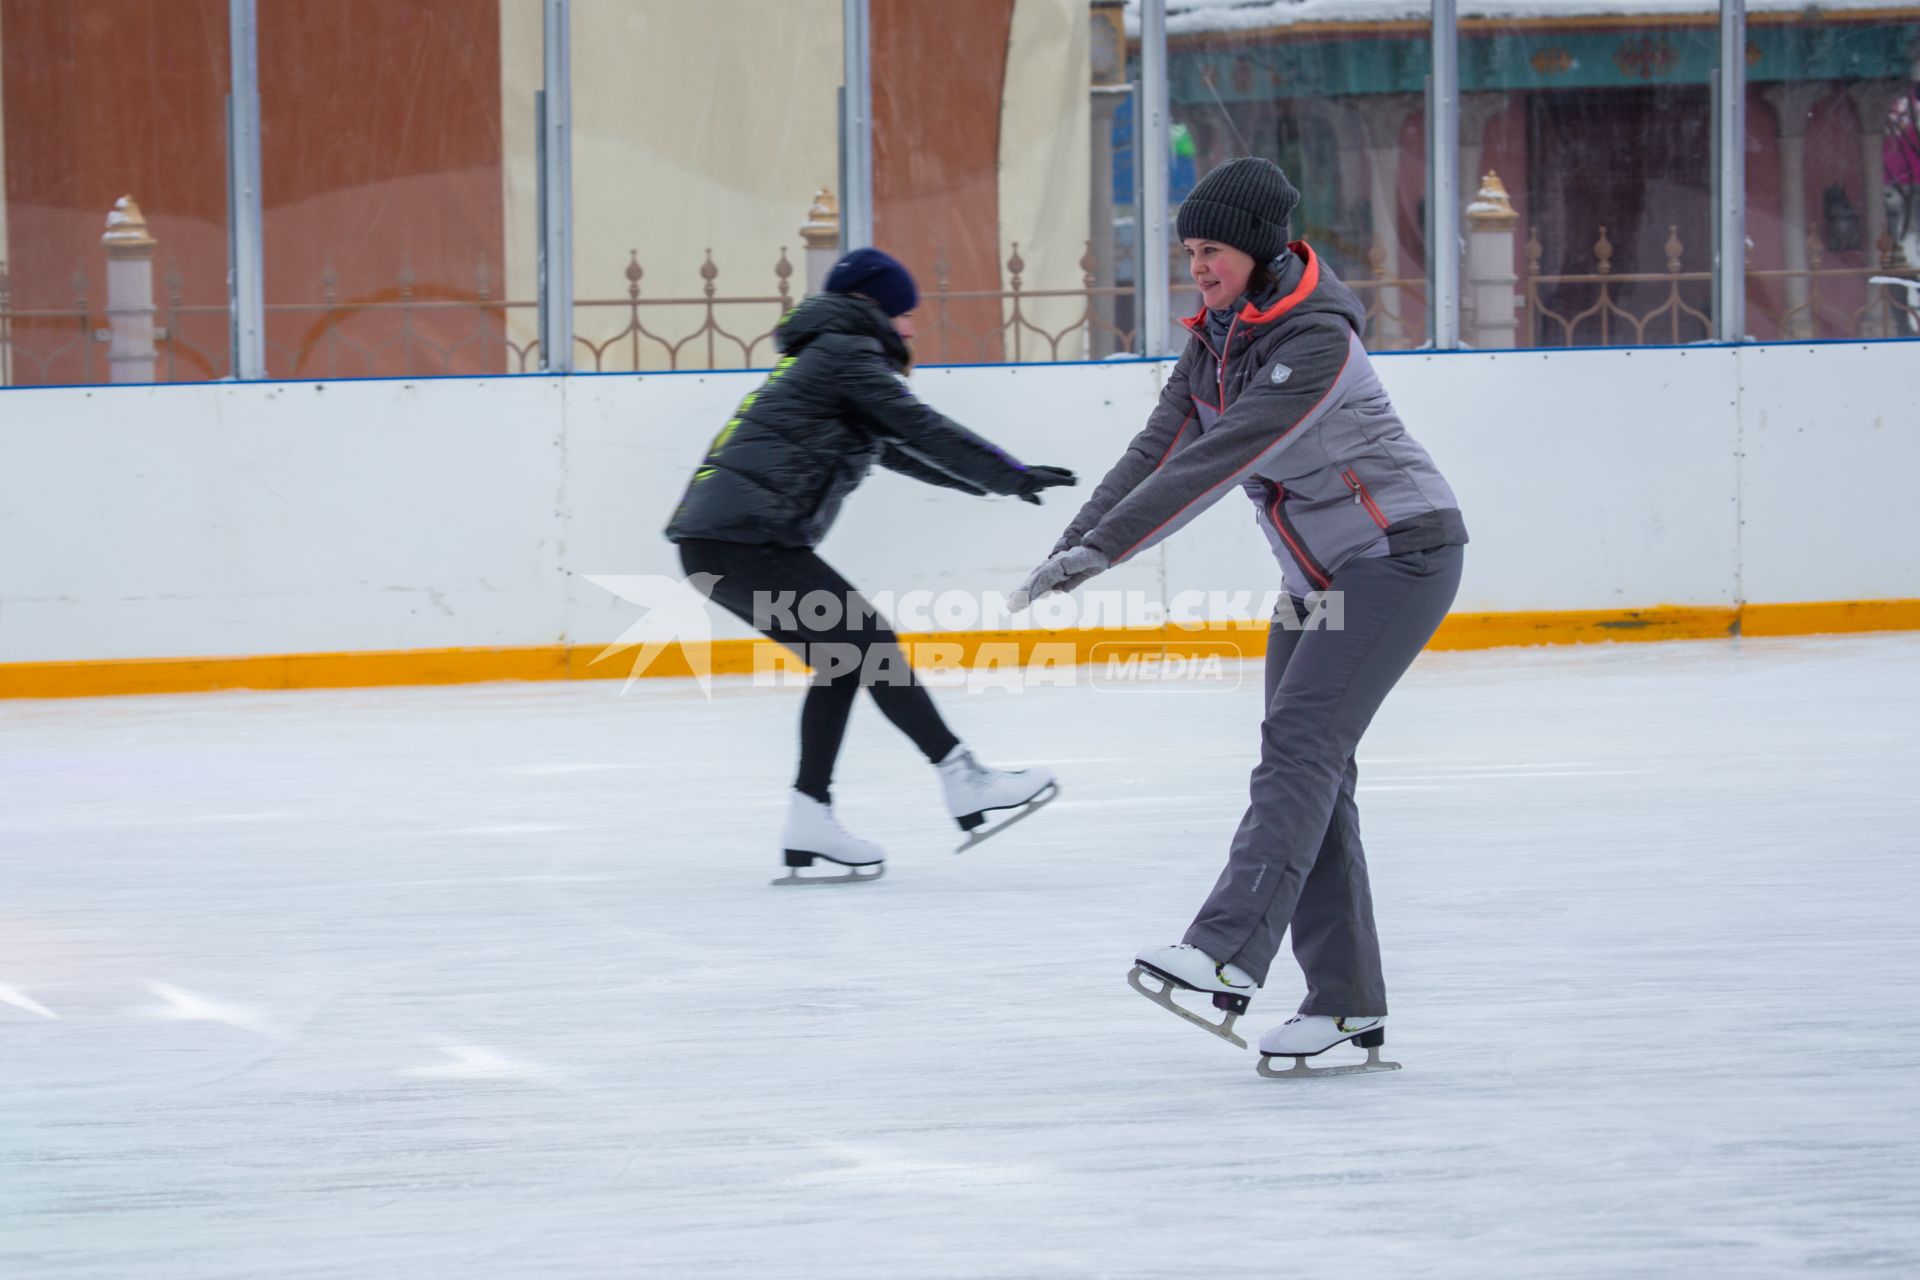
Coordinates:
<point>489,982</point>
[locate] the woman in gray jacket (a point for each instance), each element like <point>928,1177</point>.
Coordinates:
<point>1275,395</point>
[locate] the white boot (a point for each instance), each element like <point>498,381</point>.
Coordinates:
<point>973,790</point>
<point>1190,967</point>
<point>814,833</point>
<point>1307,1034</point>
<point>1160,971</point>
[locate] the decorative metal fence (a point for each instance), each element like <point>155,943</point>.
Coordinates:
<point>413,329</point>
<point>1817,301</point>
<point>714,344</point>
<point>1606,321</point>
<point>1835,305</point>
<point>1396,305</point>
<point>181,358</point>
<point>43,346</point>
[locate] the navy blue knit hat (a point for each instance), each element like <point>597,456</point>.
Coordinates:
<point>878,276</point>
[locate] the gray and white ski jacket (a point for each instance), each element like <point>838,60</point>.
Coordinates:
<point>1290,410</point>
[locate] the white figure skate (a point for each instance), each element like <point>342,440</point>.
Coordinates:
<point>973,791</point>
<point>1187,968</point>
<point>814,834</point>
<point>1308,1035</point>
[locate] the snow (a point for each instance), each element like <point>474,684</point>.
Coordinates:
<point>1185,17</point>
<point>489,982</point>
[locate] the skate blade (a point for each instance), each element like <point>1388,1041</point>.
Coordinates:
<point>854,875</point>
<point>1136,978</point>
<point>1041,798</point>
<point>1300,1070</point>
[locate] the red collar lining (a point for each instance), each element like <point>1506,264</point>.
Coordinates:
<point>1308,283</point>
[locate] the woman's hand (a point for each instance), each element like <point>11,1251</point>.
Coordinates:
<point>1038,478</point>
<point>1062,572</point>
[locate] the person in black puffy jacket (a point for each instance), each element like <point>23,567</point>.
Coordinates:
<point>767,492</point>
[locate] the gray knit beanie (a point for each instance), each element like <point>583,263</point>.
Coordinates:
<point>1245,203</point>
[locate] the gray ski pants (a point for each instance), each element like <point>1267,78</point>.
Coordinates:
<point>1296,861</point>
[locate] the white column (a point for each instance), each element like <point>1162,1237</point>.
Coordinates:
<point>1492,288</point>
<point>131,356</point>
<point>1871,99</point>
<point>1791,102</point>
<point>821,236</point>
<point>1476,110</point>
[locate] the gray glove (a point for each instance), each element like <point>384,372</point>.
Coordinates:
<point>1062,572</point>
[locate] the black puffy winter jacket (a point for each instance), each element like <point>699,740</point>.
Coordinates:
<point>801,441</point>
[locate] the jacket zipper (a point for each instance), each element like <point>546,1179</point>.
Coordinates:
<point>1362,498</point>
<point>1220,403</point>
<point>1226,349</point>
<point>1308,565</point>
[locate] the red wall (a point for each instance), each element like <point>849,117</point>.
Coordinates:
<point>938,75</point>
<point>381,123</point>
<point>381,129</point>
<point>106,98</point>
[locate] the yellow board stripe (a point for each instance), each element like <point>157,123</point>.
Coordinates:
<point>970,648</point>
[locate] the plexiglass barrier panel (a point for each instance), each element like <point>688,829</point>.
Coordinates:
<point>984,175</point>
<point>1586,165</point>
<point>705,165</point>
<point>1337,98</point>
<point>384,172</point>
<point>113,219</point>
<point>1833,173</point>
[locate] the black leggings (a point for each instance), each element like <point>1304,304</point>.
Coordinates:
<point>778,580</point>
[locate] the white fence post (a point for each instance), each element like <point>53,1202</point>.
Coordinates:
<point>1492,288</point>
<point>821,235</point>
<point>131,357</point>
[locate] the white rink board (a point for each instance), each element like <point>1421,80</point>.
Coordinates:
<point>1831,444</point>
<point>1589,479</point>
<point>283,518</point>
<point>157,522</point>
